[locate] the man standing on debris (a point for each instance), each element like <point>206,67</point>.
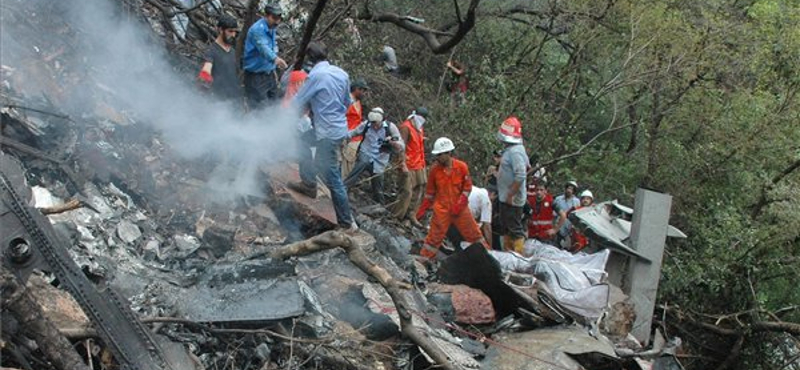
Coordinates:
<point>511,178</point>
<point>448,193</point>
<point>218,73</point>
<point>261,58</point>
<point>412,177</point>
<point>354,118</point>
<point>380,139</point>
<point>578,239</point>
<point>540,225</point>
<point>563,204</point>
<point>327,92</point>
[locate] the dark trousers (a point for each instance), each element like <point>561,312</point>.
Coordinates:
<point>327,163</point>
<point>260,88</point>
<point>376,181</point>
<point>305,161</point>
<point>511,219</point>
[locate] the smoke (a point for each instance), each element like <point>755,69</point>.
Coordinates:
<point>120,56</point>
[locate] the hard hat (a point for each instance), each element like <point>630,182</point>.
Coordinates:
<point>442,145</point>
<point>375,115</point>
<point>587,193</point>
<point>359,83</point>
<point>422,111</point>
<point>572,183</point>
<point>510,131</point>
<point>273,9</point>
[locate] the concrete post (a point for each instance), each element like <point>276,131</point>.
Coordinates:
<point>648,235</point>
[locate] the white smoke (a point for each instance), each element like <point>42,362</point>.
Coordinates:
<point>122,57</point>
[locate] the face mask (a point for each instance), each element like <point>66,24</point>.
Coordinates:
<point>419,121</point>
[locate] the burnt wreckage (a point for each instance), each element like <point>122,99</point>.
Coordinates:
<point>98,204</point>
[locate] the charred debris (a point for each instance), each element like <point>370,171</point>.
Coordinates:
<point>117,253</point>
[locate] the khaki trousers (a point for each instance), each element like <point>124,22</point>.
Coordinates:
<point>411,186</point>
<point>349,156</point>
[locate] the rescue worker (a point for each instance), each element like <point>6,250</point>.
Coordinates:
<point>354,118</point>
<point>511,179</point>
<point>260,58</point>
<point>327,93</point>
<point>578,240</point>
<point>380,139</point>
<point>412,176</point>
<point>540,224</point>
<point>563,204</point>
<point>218,73</point>
<point>447,193</point>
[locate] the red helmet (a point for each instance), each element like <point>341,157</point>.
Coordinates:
<point>510,131</point>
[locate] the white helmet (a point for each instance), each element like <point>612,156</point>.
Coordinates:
<point>587,193</point>
<point>442,145</point>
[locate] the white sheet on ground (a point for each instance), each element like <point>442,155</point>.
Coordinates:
<point>578,281</point>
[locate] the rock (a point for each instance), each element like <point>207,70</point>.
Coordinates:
<point>186,245</point>
<point>263,352</point>
<point>58,305</point>
<point>128,232</point>
<point>468,305</point>
<point>219,239</point>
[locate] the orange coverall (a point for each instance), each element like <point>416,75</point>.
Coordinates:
<point>445,186</point>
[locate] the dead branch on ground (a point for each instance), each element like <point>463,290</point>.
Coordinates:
<point>334,239</point>
<point>56,348</point>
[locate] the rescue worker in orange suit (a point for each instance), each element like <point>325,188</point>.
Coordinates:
<point>412,177</point>
<point>447,192</point>
<point>355,117</point>
<point>511,188</point>
<point>579,241</point>
<point>540,224</point>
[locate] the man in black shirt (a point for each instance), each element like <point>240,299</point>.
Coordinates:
<point>218,73</point>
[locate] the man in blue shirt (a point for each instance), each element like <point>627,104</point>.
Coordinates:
<point>327,93</point>
<point>260,58</point>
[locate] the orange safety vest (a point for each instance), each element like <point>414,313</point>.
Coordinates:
<point>415,147</point>
<point>446,184</point>
<point>579,241</point>
<point>541,220</point>
<point>296,81</point>
<point>354,117</point>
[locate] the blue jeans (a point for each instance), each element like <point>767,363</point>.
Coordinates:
<point>329,167</point>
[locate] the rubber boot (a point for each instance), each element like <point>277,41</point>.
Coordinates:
<point>519,245</point>
<point>507,243</point>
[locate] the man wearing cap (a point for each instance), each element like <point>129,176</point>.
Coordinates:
<point>327,93</point>
<point>354,118</point>
<point>447,193</point>
<point>412,176</point>
<point>511,179</point>
<point>563,205</point>
<point>261,58</point>
<point>578,240</point>
<point>380,139</point>
<point>218,73</point>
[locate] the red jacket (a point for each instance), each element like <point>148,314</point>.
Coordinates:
<point>579,241</point>
<point>542,216</point>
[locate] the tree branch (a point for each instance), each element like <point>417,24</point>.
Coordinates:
<point>763,199</point>
<point>308,33</point>
<point>332,240</point>
<point>428,34</point>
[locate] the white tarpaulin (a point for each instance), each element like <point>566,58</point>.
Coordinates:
<point>577,281</point>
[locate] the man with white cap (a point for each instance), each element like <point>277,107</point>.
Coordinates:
<point>380,138</point>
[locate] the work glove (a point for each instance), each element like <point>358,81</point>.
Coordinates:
<point>426,204</point>
<point>205,79</point>
<point>459,205</point>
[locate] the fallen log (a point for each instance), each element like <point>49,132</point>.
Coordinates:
<point>20,305</point>
<point>335,239</point>
<point>72,204</point>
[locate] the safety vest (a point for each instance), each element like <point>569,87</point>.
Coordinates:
<point>579,241</point>
<point>354,117</point>
<point>415,148</point>
<point>542,216</point>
